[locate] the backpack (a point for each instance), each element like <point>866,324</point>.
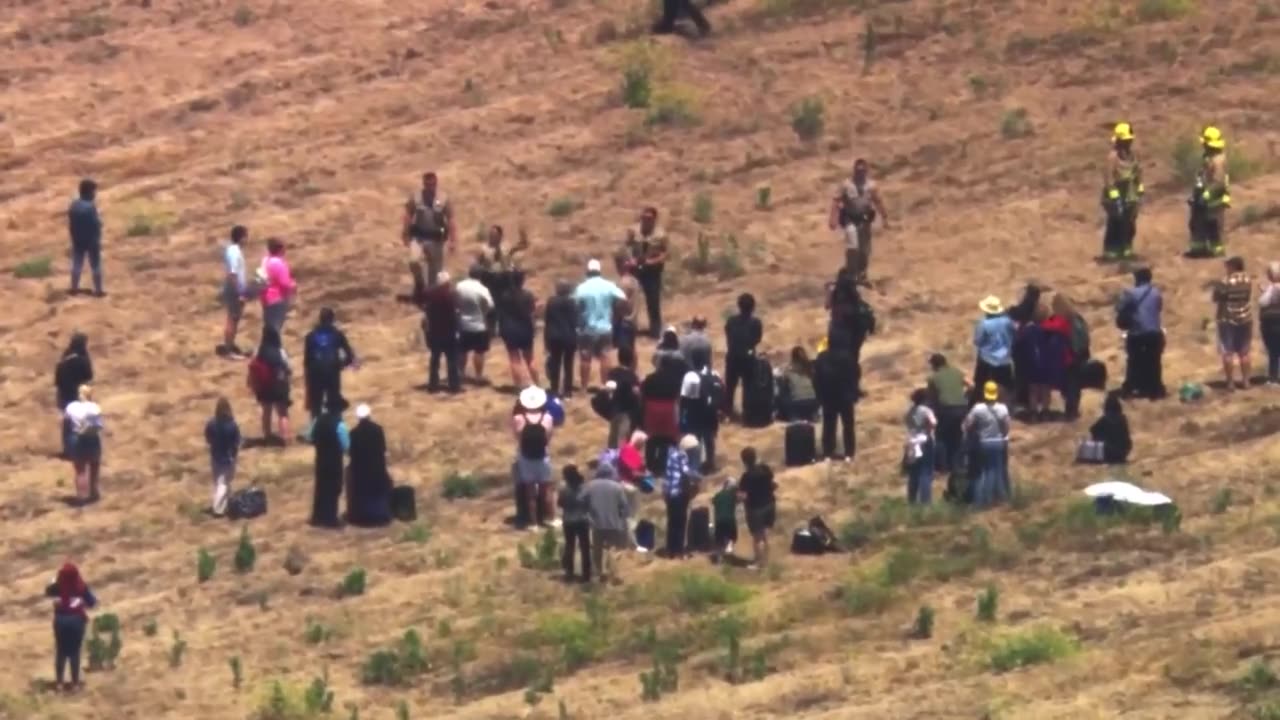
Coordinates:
<point>1079,337</point>
<point>247,503</point>
<point>866,317</point>
<point>261,375</point>
<point>533,440</point>
<point>710,389</point>
<point>322,350</point>
<point>1129,311</point>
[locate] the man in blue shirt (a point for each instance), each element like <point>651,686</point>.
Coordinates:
<point>86,237</point>
<point>993,340</point>
<point>596,297</point>
<point>1138,315</point>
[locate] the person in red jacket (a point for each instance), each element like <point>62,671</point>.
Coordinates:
<point>72,601</point>
<point>1052,358</point>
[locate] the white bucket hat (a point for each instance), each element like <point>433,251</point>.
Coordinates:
<point>533,398</point>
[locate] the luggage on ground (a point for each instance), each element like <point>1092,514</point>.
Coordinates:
<point>1093,376</point>
<point>246,504</point>
<point>815,538</point>
<point>404,503</point>
<point>758,395</point>
<point>800,445</point>
<point>646,534</point>
<point>699,534</point>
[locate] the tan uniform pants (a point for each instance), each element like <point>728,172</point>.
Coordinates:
<point>432,253</point>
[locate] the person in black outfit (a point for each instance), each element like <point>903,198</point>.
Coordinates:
<point>837,388</point>
<point>576,525</point>
<point>851,318</point>
<point>1112,430</point>
<point>1023,352</point>
<point>440,326</point>
<point>326,353</point>
<point>673,9</point>
<point>516,308</point>
<point>742,334</point>
<point>369,494</point>
<point>273,394</point>
<point>701,416</point>
<point>74,369</point>
<point>331,442</point>
<point>560,336</point>
<point>624,398</point>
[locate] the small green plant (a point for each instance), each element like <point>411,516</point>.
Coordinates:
<point>674,105</point>
<point>923,629</point>
<point>901,567</point>
<point>696,592</point>
<point>104,652</point>
<point>563,207</point>
<point>869,42</point>
<point>237,672</point>
<point>176,650</point>
<point>1033,647</point>
<point>141,225</point>
<point>1258,678</point>
<point>866,596</point>
<point>402,710</point>
<point>988,604</point>
<point>979,85</point>
<point>353,584</point>
<point>318,698</point>
<point>395,666</point>
<point>243,16</point>
<point>246,555</point>
<point>277,706</point>
<point>1221,501</point>
<point>417,533</point>
<point>35,268</point>
<point>460,485</point>
<point>1266,711</point>
<point>807,120</point>
<point>317,633</point>
<point>764,196</point>
<point>728,630</point>
<point>702,208</point>
<point>1163,10</point>
<point>1016,124</point>
<point>545,556</point>
<point>206,563</point>
<point>637,86</point>
<point>150,628</point>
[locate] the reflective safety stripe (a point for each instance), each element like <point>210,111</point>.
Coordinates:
<point>1113,194</point>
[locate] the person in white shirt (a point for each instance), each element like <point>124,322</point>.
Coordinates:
<point>234,288</point>
<point>85,420</point>
<point>475,302</point>
<point>701,392</point>
<point>918,452</point>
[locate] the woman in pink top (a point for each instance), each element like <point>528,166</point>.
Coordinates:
<point>279,287</point>
<point>531,423</point>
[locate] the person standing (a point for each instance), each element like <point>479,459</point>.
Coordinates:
<point>743,333</point>
<point>428,227</point>
<point>596,298</point>
<point>326,353</point>
<point>331,441</point>
<point>85,418</point>
<point>74,369</point>
<point>671,12</point>
<point>222,434</point>
<point>85,227</point>
<point>1210,198</point>
<point>269,379</point>
<point>278,286</point>
<point>440,328</point>
<point>72,601</point>
<point>369,486</point>
<point>560,339</point>
<point>993,340</point>
<point>576,519</point>
<point>759,502</point>
<point>1122,192</point>
<point>234,288</point>
<point>701,393</point>
<point>1269,321</point>
<point>626,317</point>
<point>610,516</point>
<point>835,383</point>
<point>679,487</point>
<point>517,322</point>
<point>623,386</point>
<point>988,426</point>
<point>1080,349</point>
<point>1138,315</point>
<point>648,246</point>
<point>696,341</point>
<point>1234,297</point>
<point>948,395</point>
<point>918,452</point>
<point>475,302</point>
<point>532,425</point>
<point>853,210</point>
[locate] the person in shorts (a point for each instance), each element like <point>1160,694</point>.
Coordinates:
<point>234,288</point>
<point>532,467</point>
<point>758,491</point>
<point>596,297</point>
<point>475,303</point>
<point>1234,296</point>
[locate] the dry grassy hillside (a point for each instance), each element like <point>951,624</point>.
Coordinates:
<point>986,124</point>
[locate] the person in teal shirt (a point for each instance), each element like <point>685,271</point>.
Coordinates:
<point>596,297</point>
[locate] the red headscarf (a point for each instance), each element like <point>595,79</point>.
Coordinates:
<point>70,585</point>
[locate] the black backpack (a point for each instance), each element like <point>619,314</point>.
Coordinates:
<point>710,389</point>
<point>533,440</point>
<point>246,504</point>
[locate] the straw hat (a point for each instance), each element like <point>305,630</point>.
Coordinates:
<point>533,398</point>
<point>991,391</point>
<point>991,305</point>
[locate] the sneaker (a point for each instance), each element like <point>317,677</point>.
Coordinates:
<point>556,523</point>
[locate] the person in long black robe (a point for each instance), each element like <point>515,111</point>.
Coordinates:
<point>330,438</point>
<point>369,494</point>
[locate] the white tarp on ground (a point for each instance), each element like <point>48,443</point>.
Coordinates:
<point>1126,492</point>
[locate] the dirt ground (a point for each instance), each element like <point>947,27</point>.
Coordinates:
<point>312,120</point>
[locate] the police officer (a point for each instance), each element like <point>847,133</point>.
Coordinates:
<point>853,210</point>
<point>1121,194</point>
<point>1210,198</point>
<point>428,227</point>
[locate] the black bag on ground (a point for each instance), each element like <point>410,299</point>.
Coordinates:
<point>1093,376</point>
<point>246,504</point>
<point>757,395</point>
<point>646,534</point>
<point>404,503</point>
<point>800,445</point>
<point>815,538</point>
<point>699,537</point>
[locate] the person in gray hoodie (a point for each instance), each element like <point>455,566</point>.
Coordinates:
<point>608,513</point>
<point>576,525</point>
<point>695,341</point>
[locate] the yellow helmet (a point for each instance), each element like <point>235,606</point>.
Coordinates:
<point>1123,131</point>
<point>1212,138</point>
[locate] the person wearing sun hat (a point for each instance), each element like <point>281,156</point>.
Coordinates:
<point>987,427</point>
<point>532,424</point>
<point>993,342</point>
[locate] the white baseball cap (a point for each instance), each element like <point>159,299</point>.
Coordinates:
<point>593,266</point>
<point>362,411</point>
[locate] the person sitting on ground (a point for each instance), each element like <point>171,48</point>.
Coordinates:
<point>700,400</point>
<point>72,601</point>
<point>759,500</point>
<point>610,517</point>
<point>532,425</point>
<point>326,353</point>
<point>440,327</point>
<point>696,340</point>
<point>269,377</point>
<point>369,481</point>
<point>560,339</point>
<point>517,311</point>
<point>222,434</point>
<point>669,346</point>
<point>797,400</point>
<point>988,426</point>
<point>724,506</point>
<point>1112,431</point>
<point>576,523</point>
<point>835,383</point>
<point>918,460</point>
<point>679,487</point>
<point>279,289</point>
<point>949,398</point>
<point>332,441</point>
<point>475,302</point>
<point>74,369</point>
<point>86,445</point>
<point>743,333</point>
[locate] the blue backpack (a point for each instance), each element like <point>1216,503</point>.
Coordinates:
<point>323,349</point>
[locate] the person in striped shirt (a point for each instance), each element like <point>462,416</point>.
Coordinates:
<point>1234,296</point>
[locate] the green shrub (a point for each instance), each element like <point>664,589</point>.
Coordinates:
<point>460,485</point>
<point>702,208</point>
<point>866,596</point>
<point>673,105</point>
<point>988,604</point>
<point>563,207</point>
<point>807,120</point>
<point>417,533</point>
<point>317,633</point>
<point>318,698</point>
<point>141,225</point>
<point>102,653</point>
<point>237,672</point>
<point>923,628</point>
<point>353,584</point>
<point>1162,10</point>
<point>637,87</point>
<point>1033,647</point>
<point>1221,501</point>
<point>1266,711</point>
<point>578,641</point>
<point>150,628</point>
<point>763,197</point>
<point>979,85</point>
<point>696,592</point>
<point>901,567</point>
<point>544,556</point>
<point>177,650</point>
<point>244,16</point>
<point>205,565</point>
<point>1016,124</point>
<point>35,268</point>
<point>246,555</point>
<point>1258,678</point>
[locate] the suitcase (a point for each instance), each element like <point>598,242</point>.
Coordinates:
<point>758,396</point>
<point>804,542</point>
<point>699,534</point>
<point>247,504</point>
<point>404,503</point>
<point>646,535</point>
<point>800,445</point>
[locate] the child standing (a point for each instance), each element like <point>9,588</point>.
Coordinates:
<point>223,436</point>
<point>725,508</point>
<point>577,525</point>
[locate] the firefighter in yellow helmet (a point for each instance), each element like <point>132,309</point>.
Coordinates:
<point>1210,198</point>
<point>1121,194</point>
